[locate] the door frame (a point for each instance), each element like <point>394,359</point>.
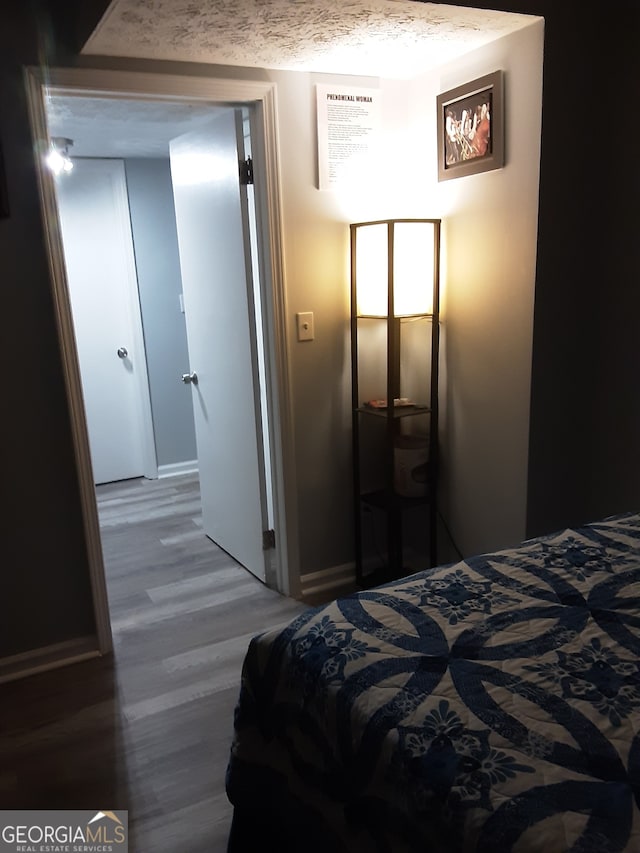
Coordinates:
<point>90,82</point>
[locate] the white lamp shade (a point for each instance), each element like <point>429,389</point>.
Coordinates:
<point>371,270</point>
<point>413,269</point>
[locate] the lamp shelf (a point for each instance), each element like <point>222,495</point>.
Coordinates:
<point>417,316</point>
<point>396,413</point>
<point>395,334</point>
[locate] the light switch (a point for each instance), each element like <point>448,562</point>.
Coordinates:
<point>305,326</point>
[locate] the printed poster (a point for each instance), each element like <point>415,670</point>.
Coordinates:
<point>348,133</point>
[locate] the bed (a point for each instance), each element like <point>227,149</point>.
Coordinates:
<point>491,705</point>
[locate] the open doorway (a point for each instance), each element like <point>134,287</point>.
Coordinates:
<point>272,390</point>
<point>125,251</point>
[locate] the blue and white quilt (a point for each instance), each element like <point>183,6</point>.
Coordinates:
<point>488,706</point>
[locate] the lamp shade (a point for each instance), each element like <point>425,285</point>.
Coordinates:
<point>410,245</point>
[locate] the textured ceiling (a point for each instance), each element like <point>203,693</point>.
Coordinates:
<point>381,38</point>
<point>104,127</point>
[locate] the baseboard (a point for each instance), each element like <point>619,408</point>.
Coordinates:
<point>49,657</point>
<point>344,576</point>
<point>176,468</point>
<point>335,577</point>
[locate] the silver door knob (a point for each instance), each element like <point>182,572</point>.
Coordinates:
<point>188,378</point>
<point>122,352</point>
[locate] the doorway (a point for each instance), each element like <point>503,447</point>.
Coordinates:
<point>261,98</point>
<point>162,241</point>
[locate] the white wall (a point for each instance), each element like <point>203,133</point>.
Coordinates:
<point>316,247</point>
<point>489,249</point>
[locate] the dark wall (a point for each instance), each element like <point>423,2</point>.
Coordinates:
<point>45,595</point>
<point>584,456</point>
<point>585,417</point>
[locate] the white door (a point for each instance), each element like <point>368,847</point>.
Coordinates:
<point>98,248</point>
<point>213,240</point>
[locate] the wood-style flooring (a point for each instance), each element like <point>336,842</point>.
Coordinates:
<point>147,729</point>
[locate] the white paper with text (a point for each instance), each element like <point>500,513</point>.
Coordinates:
<point>348,133</point>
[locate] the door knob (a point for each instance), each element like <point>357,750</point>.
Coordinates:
<point>189,378</point>
<point>122,352</point>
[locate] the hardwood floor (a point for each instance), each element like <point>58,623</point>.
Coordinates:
<point>149,728</point>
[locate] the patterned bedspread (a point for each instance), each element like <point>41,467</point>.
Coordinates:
<point>492,705</point>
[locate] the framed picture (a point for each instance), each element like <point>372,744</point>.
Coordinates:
<point>471,128</point>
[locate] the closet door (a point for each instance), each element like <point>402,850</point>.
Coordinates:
<point>98,247</point>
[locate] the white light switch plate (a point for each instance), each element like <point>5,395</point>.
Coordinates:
<point>305,326</point>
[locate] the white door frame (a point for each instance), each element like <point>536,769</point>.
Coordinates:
<point>89,82</point>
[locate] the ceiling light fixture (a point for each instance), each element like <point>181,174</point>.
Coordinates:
<point>58,159</point>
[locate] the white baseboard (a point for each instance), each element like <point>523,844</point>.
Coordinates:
<point>327,579</point>
<point>49,657</point>
<point>176,468</point>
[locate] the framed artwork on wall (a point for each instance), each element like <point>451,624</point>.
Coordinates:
<point>471,128</point>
